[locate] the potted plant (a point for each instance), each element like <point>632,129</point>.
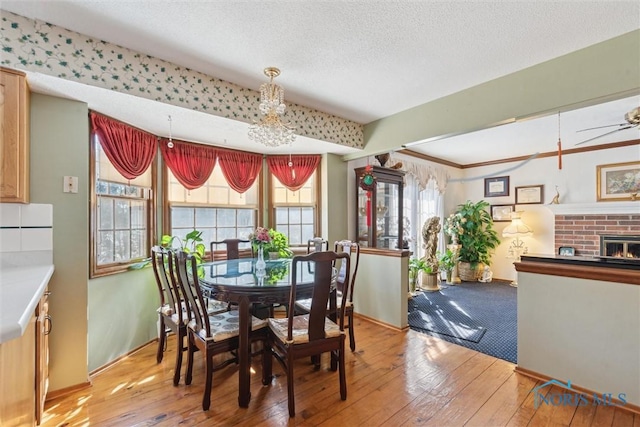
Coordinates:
<point>192,244</point>
<point>416,266</point>
<point>274,244</point>
<point>279,245</point>
<point>477,238</point>
<point>447,261</point>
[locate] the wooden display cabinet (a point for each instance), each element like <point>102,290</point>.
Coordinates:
<point>14,137</point>
<point>379,217</point>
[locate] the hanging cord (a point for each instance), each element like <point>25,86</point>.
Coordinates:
<point>559,144</point>
<point>170,143</point>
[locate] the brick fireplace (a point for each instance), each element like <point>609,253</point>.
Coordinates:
<point>583,231</point>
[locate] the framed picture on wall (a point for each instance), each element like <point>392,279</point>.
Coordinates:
<point>529,194</point>
<point>618,181</point>
<point>496,186</point>
<point>501,213</point>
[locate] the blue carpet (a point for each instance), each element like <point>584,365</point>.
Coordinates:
<point>479,316</point>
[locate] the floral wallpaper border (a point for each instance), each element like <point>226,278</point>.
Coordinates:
<point>33,45</point>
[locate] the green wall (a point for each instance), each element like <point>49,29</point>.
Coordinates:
<point>94,321</point>
<point>59,147</point>
<point>334,200</point>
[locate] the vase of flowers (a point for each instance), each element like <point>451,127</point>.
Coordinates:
<point>259,239</point>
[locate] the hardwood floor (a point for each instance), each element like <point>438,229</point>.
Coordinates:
<point>394,378</point>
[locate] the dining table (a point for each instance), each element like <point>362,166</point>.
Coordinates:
<point>238,281</point>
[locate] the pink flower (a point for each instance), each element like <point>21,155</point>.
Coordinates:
<point>261,236</point>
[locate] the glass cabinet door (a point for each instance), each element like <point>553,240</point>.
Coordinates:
<point>379,211</point>
<point>387,215</point>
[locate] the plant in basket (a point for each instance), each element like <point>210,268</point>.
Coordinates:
<point>476,237</point>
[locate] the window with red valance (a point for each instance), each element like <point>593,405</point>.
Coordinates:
<point>293,171</point>
<point>130,150</point>
<point>240,169</point>
<point>190,163</point>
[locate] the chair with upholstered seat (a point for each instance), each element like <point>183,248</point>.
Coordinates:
<point>159,260</point>
<point>171,311</point>
<point>211,334</point>
<point>313,333</point>
<point>353,249</point>
<point>232,246</point>
<point>317,244</point>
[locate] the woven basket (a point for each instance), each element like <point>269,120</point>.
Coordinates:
<point>468,274</point>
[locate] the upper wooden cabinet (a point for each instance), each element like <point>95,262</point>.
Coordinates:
<point>14,137</point>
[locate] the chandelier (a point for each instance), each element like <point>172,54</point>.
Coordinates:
<point>270,130</point>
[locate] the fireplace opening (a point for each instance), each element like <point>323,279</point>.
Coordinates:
<point>619,246</point>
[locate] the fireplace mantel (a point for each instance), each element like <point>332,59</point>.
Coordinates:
<point>597,208</point>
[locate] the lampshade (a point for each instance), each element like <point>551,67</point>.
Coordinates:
<point>517,228</point>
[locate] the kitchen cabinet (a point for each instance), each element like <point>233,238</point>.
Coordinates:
<point>24,371</point>
<point>379,199</point>
<point>14,137</point>
<point>43,328</point>
<point>17,378</point>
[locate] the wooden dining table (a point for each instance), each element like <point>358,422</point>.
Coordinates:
<point>237,281</point>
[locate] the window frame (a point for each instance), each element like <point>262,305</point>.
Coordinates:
<point>167,205</point>
<point>317,227</point>
<point>96,270</point>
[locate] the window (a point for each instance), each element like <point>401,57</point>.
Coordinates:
<point>295,212</point>
<point>419,206</point>
<point>215,209</point>
<point>121,215</point>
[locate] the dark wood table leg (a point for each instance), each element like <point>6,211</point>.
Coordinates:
<point>244,351</point>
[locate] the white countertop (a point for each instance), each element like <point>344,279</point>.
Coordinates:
<point>20,291</point>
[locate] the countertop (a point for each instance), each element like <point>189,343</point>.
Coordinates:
<point>597,261</point>
<point>20,291</point>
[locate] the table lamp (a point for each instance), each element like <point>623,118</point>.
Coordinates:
<point>516,230</point>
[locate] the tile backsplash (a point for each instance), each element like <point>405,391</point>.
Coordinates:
<point>26,233</point>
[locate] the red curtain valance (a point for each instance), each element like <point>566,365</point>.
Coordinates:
<point>191,164</point>
<point>293,177</point>
<point>130,150</point>
<point>240,169</point>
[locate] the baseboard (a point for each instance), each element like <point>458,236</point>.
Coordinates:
<point>634,409</point>
<point>124,356</point>
<point>377,322</point>
<point>67,390</point>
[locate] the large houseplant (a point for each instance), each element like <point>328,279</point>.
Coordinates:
<point>476,237</point>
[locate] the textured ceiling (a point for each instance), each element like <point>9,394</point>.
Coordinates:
<point>362,60</point>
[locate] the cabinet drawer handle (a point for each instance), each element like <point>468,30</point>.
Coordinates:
<point>47,293</point>
<point>50,324</point>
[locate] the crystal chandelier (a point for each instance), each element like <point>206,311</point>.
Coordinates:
<point>270,130</point>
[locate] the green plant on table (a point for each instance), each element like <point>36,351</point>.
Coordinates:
<point>271,241</point>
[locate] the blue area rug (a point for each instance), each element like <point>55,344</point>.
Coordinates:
<point>480,316</point>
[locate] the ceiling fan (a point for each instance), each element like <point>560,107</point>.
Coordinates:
<point>632,118</point>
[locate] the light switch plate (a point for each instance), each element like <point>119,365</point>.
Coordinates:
<point>70,184</point>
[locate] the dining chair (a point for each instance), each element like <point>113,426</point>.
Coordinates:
<point>345,285</point>
<point>313,333</point>
<point>232,246</point>
<point>212,334</point>
<point>317,244</point>
<point>170,312</point>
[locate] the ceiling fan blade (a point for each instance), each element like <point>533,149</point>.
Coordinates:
<point>600,127</point>
<point>604,134</point>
